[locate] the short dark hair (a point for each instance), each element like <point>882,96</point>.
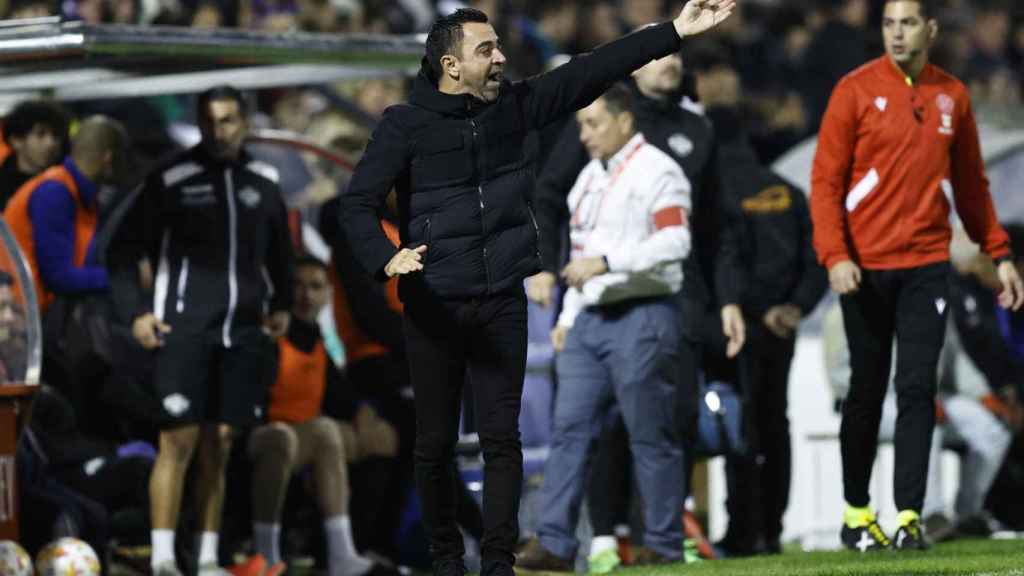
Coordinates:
<point>928,9</point>
<point>445,36</point>
<point>222,92</point>
<point>307,260</point>
<point>26,115</point>
<point>618,99</point>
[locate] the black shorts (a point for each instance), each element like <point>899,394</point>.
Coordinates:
<point>199,381</point>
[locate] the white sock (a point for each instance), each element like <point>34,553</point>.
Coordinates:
<point>207,548</point>
<point>602,543</point>
<point>162,542</point>
<point>342,558</point>
<point>266,540</point>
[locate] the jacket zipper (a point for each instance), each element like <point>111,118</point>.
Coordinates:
<point>483,229</point>
<point>182,283</point>
<point>427,236</point>
<point>536,227</point>
<point>162,277</point>
<point>229,195</point>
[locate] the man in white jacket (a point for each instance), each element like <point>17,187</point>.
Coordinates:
<point>618,333</point>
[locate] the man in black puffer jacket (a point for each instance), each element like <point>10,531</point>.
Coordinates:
<point>457,157</point>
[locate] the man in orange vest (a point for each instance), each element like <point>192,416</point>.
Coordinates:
<point>53,216</point>
<point>298,434</point>
<point>34,134</point>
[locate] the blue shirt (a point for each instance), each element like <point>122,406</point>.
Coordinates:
<point>52,212</point>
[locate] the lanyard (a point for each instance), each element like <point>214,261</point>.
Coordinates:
<point>593,216</point>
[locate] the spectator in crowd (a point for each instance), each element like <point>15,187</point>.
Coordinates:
<point>35,132</point>
<point>53,216</point>
<point>297,434</point>
<point>990,33</point>
<point>618,334</point>
<point>540,37</point>
<point>32,9</point>
<point>781,284</point>
<point>13,344</point>
<point>837,48</point>
<point>881,227</point>
<point>213,221</point>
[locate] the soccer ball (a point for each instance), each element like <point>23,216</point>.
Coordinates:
<point>68,557</point>
<point>14,561</point>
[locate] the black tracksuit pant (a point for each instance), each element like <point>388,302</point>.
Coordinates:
<point>444,339</point>
<point>909,304</point>
<point>759,480</point>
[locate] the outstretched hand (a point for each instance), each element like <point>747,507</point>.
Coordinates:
<point>700,15</point>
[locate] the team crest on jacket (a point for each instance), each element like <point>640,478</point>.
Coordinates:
<point>249,197</point>
<point>946,107</point>
<point>680,144</point>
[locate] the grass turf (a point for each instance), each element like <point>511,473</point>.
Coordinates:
<point>965,557</point>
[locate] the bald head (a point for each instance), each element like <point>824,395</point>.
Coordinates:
<point>98,147</point>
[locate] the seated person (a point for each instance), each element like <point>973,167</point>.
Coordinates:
<point>297,434</point>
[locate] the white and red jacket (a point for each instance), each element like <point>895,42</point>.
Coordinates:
<point>889,151</point>
<point>634,212</point>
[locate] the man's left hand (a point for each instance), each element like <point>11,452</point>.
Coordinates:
<point>783,320</point>
<point>276,325</point>
<point>1012,295</point>
<point>577,272</point>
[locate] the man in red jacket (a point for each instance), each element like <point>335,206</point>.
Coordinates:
<point>898,144</point>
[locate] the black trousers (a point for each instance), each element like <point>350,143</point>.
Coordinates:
<point>444,339</point>
<point>758,481</point>
<point>909,304</point>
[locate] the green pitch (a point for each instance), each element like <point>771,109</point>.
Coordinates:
<point>961,558</point>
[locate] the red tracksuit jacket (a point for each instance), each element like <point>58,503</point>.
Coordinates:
<point>890,152</point>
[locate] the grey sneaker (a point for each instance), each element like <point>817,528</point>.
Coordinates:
<point>167,568</point>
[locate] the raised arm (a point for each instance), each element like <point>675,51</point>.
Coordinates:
<point>580,81</point>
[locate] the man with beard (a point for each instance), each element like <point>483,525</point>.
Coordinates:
<point>457,158</point>
<point>213,225</point>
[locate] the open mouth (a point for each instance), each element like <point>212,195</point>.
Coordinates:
<point>495,77</point>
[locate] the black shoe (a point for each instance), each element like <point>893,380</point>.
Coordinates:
<point>534,557</point>
<point>912,537</point>
<point>939,528</point>
<point>449,567</point>
<point>975,526</point>
<point>498,569</point>
<point>868,538</point>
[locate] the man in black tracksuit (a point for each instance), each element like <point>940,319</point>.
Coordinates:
<point>456,156</point>
<point>213,227</point>
<point>780,284</point>
<point>689,139</point>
